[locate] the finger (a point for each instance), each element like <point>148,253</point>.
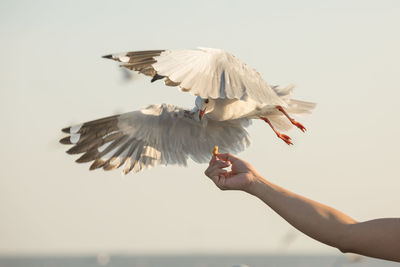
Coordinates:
<point>221,183</point>
<point>218,178</point>
<point>227,157</point>
<point>211,170</point>
<point>214,171</point>
<point>219,164</point>
<point>222,172</point>
<point>215,174</point>
<point>223,164</point>
<point>216,165</point>
<point>213,158</point>
<point>229,174</point>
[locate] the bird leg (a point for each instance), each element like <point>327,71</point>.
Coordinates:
<point>295,123</point>
<point>284,137</point>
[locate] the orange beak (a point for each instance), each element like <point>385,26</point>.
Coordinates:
<point>201,114</point>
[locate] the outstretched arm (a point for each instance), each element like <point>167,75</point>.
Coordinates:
<point>378,238</point>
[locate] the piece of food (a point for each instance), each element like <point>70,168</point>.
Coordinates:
<point>215,151</point>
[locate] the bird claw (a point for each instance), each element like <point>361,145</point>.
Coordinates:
<point>299,125</point>
<point>285,138</point>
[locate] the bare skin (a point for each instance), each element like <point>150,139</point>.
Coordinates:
<point>379,238</point>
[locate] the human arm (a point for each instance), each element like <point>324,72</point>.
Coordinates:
<point>378,238</point>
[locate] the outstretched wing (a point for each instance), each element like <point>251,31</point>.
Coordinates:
<point>159,134</point>
<point>206,72</point>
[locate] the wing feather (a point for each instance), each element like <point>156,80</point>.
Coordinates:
<point>205,72</point>
<point>159,134</point>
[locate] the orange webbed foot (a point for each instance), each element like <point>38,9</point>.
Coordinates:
<point>299,125</point>
<point>285,138</point>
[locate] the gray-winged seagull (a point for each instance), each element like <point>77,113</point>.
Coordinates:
<point>229,95</point>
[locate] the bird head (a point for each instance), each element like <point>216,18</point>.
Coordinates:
<point>205,105</point>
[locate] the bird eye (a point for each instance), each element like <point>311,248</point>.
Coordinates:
<point>206,101</point>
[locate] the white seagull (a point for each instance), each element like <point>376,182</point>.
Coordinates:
<point>229,94</point>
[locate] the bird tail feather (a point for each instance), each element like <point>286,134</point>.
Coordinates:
<point>295,107</point>
<point>299,107</point>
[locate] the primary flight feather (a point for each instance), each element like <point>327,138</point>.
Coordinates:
<point>229,94</point>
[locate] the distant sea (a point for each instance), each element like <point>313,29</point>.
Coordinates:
<point>195,261</point>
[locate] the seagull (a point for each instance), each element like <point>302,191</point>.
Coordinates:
<point>229,95</point>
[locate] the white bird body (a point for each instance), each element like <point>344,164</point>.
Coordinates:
<point>231,109</point>
<point>229,94</point>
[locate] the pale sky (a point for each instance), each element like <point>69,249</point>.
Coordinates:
<point>344,55</point>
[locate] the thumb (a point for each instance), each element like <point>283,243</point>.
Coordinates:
<point>227,157</point>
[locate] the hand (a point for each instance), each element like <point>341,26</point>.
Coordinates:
<point>241,177</point>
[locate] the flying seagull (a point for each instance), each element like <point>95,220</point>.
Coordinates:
<point>229,95</point>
